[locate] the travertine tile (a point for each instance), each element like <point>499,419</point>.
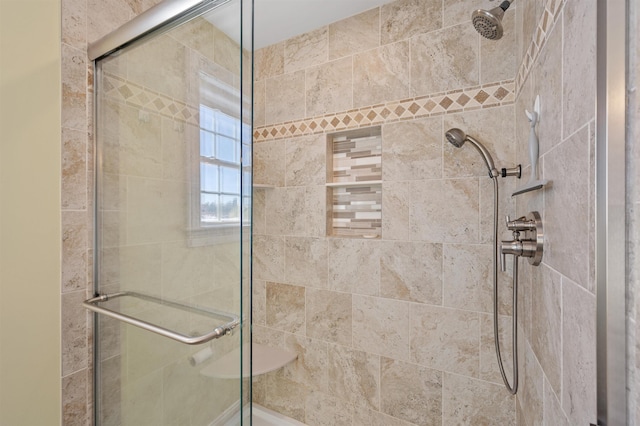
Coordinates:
<point>445,339</point>
<point>226,52</point>
<point>306,50</point>
<point>325,410</point>
<point>196,34</point>
<point>176,142</point>
<point>381,74</point>
<point>268,257</point>
<point>329,87</point>
<point>566,213</point>
<point>310,368</point>
<point>363,416</point>
<point>75,389</point>
<point>160,64</point>
<point>74,333</point>
<point>142,400</point>
<point>498,57</point>
<point>411,392</point>
<point>269,163</point>
<point>285,307</point>
<point>268,336</point>
<point>493,128</point>
<point>285,98</point>
<point>329,316</point>
<point>74,88</point>
<point>269,61</point>
<point>354,376</point>
<point>530,393</point>
<point>546,327</point>
<point>259,302</point>
<point>553,414</point>
<point>74,23</point>
<point>444,210</point>
<point>156,210</point>
<point>305,159</point>
<point>412,150</point>
<point>457,11</point>
<point>489,369</point>
<point>381,326</point>
<point>411,271</point>
<point>259,107</point>
<point>444,60</point>
<point>354,266</point>
<point>395,215</point>
<point>286,396</point>
<point>403,19</point>
<point>75,248</point>
<point>104,17</point>
<point>354,34</point>
<point>187,271</point>
<point>306,261</point>
<point>578,353</point>
<point>548,75</point>
<point>297,211</point>
<point>578,65</point>
<point>468,277</point>
<point>131,146</point>
<point>467,401</point>
<point>506,207</point>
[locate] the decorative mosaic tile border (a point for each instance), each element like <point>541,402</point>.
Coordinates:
<point>485,96</point>
<point>121,90</point>
<point>547,20</point>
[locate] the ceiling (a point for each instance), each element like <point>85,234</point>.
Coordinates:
<point>278,20</point>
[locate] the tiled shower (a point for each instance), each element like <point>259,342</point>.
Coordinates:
<point>393,329</point>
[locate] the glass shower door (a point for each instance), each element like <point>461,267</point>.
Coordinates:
<point>173,171</point>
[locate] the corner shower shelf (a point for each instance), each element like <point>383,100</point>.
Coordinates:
<point>265,360</point>
<point>262,186</point>
<point>357,183</point>
<point>116,305</point>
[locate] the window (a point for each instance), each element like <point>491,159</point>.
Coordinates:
<point>224,159</point>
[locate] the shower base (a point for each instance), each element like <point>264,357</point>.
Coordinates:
<point>261,417</point>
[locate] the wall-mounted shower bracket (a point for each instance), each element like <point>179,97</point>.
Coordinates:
<point>531,243</point>
<point>512,171</point>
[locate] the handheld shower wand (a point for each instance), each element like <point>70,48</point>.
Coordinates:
<point>457,138</point>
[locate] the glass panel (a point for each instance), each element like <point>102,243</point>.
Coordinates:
<point>207,147</point>
<point>209,208</point>
<point>227,149</point>
<point>209,178</point>
<point>168,140</point>
<point>229,207</point>
<point>230,178</point>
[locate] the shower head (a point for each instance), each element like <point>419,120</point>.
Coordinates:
<point>457,138</point>
<point>489,22</point>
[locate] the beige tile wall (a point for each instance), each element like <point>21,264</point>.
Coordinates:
<point>558,349</point>
<point>393,331</point>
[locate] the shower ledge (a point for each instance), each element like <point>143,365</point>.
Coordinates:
<point>265,360</point>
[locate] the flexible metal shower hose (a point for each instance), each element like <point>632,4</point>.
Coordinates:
<point>512,389</point>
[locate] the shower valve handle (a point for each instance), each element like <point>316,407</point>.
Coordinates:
<point>530,246</point>
<point>521,224</point>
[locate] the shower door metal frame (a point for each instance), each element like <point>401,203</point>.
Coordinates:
<point>162,17</point>
<point>166,14</point>
<point>611,212</point>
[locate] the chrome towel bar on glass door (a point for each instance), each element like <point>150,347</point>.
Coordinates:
<point>232,321</point>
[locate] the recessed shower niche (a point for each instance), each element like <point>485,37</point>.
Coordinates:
<point>354,183</point>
